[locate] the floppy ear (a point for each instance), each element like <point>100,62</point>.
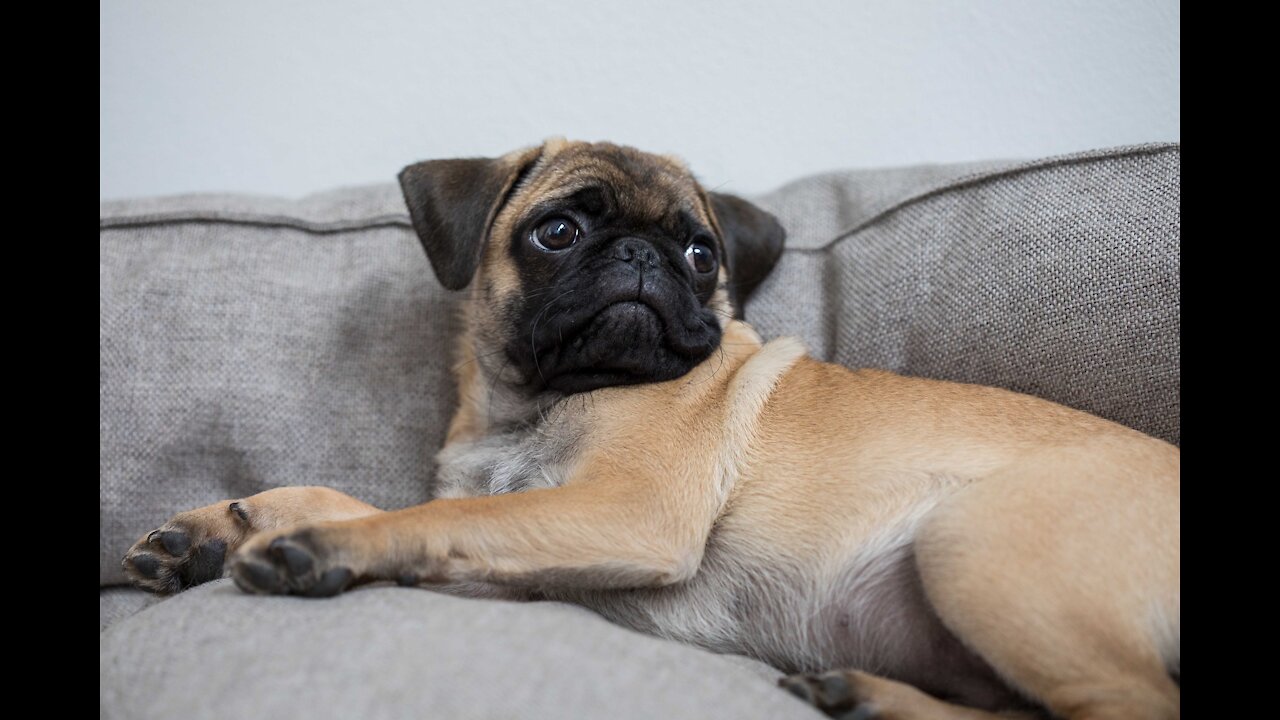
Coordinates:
<point>753,242</point>
<point>452,204</point>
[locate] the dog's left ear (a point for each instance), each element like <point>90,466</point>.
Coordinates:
<point>753,242</point>
<point>452,204</point>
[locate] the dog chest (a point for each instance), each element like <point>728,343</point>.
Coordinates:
<point>520,459</point>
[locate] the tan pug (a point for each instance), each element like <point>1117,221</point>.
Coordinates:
<point>625,442</point>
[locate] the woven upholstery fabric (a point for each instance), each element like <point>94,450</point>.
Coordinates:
<point>118,602</point>
<point>247,343</point>
<point>238,356</point>
<point>214,652</point>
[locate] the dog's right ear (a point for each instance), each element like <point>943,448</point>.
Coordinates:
<point>452,204</point>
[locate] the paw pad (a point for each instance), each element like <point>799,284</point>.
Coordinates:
<point>289,565</point>
<point>167,560</point>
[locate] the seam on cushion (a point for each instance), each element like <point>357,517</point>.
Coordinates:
<point>285,221</point>
<point>322,228</point>
<point>967,181</point>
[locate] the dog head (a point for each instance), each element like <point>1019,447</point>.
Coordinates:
<point>591,265</point>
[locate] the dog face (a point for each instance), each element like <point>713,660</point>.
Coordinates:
<point>594,265</point>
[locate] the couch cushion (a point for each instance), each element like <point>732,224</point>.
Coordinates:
<point>214,652</point>
<point>247,343</point>
<point>118,602</point>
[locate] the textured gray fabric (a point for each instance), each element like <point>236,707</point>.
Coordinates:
<point>351,207</point>
<point>214,652</point>
<point>239,357</point>
<point>250,343</point>
<point>819,208</point>
<point>120,602</point>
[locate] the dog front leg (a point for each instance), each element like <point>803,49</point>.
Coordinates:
<point>610,530</point>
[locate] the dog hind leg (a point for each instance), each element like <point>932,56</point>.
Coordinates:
<point>190,548</point>
<point>1063,573</point>
<point>853,694</point>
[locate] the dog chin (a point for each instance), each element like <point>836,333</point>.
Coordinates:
<point>626,343</point>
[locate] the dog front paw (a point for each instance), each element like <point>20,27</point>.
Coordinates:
<point>187,550</point>
<point>303,561</point>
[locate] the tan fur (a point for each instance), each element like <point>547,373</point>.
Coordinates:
<point>883,699</point>
<point>765,482</point>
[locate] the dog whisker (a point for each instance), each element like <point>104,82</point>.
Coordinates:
<point>533,332</point>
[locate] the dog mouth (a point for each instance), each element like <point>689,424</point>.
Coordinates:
<point>621,341</point>
<point>632,323</point>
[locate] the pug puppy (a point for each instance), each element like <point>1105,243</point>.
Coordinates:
<point>908,548</point>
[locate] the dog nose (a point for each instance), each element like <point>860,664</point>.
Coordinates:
<point>635,252</point>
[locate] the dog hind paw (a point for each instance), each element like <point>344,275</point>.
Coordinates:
<point>832,693</point>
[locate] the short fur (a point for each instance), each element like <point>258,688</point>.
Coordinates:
<point>949,550</point>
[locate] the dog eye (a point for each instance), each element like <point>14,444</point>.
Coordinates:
<point>700,257</point>
<point>555,234</point>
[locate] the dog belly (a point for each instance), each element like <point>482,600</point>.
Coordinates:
<point>868,612</point>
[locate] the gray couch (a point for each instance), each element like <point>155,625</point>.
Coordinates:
<point>250,342</point>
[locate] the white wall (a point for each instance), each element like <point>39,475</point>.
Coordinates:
<point>290,97</point>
